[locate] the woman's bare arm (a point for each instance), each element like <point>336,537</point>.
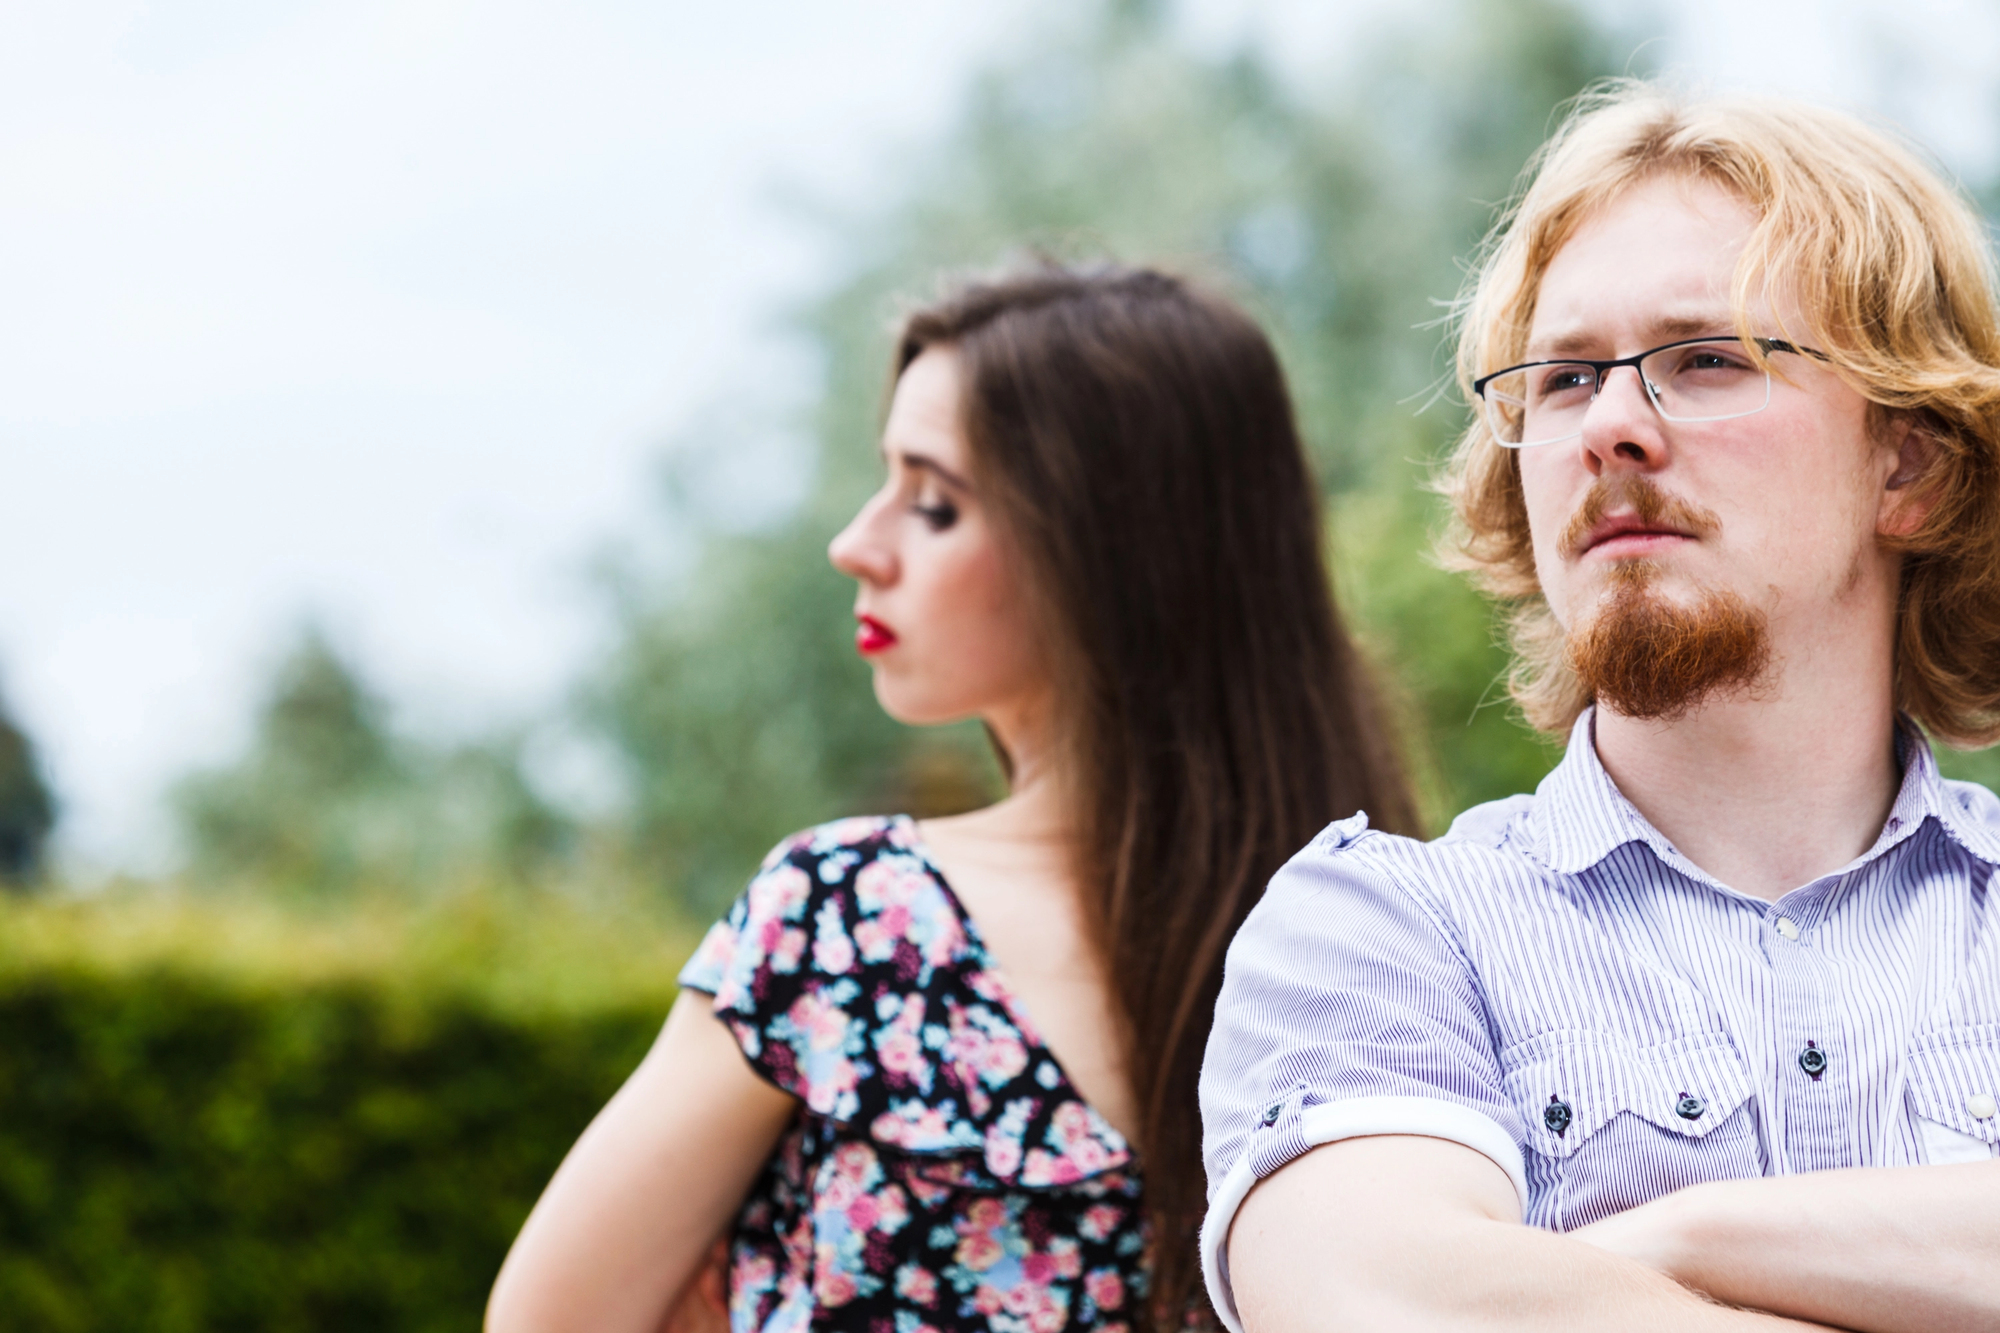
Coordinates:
<point>1879,1251</point>
<point>1417,1235</point>
<point>631,1214</point>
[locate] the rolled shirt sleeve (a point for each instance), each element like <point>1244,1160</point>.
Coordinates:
<point>1348,1008</point>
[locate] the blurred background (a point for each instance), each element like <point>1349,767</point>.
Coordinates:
<point>423,424</point>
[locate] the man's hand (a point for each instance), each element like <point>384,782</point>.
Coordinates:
<point>1876,1251</point>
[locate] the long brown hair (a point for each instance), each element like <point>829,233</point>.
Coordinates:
<point>1136,441</point>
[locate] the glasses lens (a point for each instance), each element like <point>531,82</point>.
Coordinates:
<point>1538,404</point>
<point>1706,381</point>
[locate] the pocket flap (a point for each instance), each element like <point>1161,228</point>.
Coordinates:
<point>1955,1080</point>
<point>1570,1084</point>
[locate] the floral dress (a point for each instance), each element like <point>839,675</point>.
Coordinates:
<point>942,1173</point>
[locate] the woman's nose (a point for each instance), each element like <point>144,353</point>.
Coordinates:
<point>859,551</point>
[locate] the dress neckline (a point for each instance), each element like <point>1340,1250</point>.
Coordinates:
<point>1010,998</point>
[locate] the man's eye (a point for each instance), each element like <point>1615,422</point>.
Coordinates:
<point>1566,379</point>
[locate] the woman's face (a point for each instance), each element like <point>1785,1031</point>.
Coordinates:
<point>941,615</point>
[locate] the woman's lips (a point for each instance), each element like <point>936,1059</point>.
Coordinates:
<point>872,636</point>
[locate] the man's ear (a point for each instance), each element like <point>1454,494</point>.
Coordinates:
<point>1906,503</point>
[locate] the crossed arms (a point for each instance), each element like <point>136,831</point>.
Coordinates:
<point>1418,1234</point>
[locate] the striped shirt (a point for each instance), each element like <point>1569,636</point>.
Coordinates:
<point>1555,986</point>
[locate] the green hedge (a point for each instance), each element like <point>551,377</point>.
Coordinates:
<point>218,1117</point>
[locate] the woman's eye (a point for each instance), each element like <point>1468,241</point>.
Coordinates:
<point>939,516</point>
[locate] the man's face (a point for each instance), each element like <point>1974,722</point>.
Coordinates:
<point>1735,544</point>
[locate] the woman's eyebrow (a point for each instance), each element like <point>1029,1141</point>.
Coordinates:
<point>935,468</point>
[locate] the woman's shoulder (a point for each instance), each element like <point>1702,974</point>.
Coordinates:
<point>833,903</point>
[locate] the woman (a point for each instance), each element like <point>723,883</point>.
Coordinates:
<point>953,1085</point>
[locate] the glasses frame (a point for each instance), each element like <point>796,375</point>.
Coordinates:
<point>1601,368</point>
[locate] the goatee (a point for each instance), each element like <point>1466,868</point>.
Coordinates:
<point>1645,657</point>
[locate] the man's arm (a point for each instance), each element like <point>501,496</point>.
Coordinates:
<point>1881,1251</point>
<point>1416,1235</point>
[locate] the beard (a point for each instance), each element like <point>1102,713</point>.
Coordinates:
<point>1641,655</point>
<point>1645,657</point>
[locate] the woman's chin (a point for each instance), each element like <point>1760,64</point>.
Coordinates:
<point>916,708</point>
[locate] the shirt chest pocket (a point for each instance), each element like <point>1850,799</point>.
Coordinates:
<point>1954,1083</point>
<point>1611,1124</point>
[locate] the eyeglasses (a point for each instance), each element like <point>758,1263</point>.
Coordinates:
<point>1698,379</point>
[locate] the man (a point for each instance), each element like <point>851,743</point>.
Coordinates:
<point>1716,1012</point>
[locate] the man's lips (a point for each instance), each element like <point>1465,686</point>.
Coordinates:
<point>1628,535</point>
<point>872,636</point>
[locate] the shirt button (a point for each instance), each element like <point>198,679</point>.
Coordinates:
<point>1556,1115</point>
<point>1272,1112</point>
<point>1813,1060</point>
<point>1786,928</point>
<point>1689,1107</point>
<point>1980,1106</point>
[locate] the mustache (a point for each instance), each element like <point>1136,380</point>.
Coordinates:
<point>1645,498</point>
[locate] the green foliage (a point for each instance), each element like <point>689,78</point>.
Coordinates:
<point>733,696</point>
<point>329,798</point>
<point>27,809</point>
<point>218,1117</point>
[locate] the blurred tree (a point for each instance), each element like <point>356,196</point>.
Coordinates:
<point>328,799</point>
<point>27,809</point>
<point>733,696</point>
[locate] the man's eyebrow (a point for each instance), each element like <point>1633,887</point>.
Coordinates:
<point>1665,329</point>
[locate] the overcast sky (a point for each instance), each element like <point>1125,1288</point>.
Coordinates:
<point>377,311</point>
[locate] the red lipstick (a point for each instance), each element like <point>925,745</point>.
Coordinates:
<point>872,636</point>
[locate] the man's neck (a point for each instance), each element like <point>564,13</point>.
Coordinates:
<point>1767,793</point>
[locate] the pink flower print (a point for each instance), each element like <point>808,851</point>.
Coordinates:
<point>898,1046</point>
<point>823,1022</point>
<point>989,1301</point>
<point>892,1210</point>
<point>832,1286</point>
<point>1100,1221</point>
<point>980,1251</point>
<point>1003,1150</point>
<point>1089,1155</point>
<point>1049,1317</point>
<point>863,1213</point>
<point>897,920</point>
<point>1039,1269</point>
<point>916,1285</point>
<point>930,1193</point>
<point>836,1193</point>
<point>846,832</point>
<point>945,940</point>
<point>1045,1168</point>
<point>900,1051</point>
<point>791,948</point>
<point>877,944</point>
<point>1067,1256</point>
<point>913,1126</point>
<point>890,881</point>
<point>990,986</point>
<point>833,952</point>
<point>857,1162</point>
<point>1104,1286</point>
<point>779,893</point>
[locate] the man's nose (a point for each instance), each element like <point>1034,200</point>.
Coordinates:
<point>1622,427</point>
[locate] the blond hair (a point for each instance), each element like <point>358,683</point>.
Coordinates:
<point>1894,275</point>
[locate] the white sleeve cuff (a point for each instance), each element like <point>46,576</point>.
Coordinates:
<point>1354,1118</point>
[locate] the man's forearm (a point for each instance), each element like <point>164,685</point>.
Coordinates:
<point>1878,1251</point>
<point>1412,1235</point>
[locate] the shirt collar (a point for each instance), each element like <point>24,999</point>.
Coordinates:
<point>1582,817</point>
